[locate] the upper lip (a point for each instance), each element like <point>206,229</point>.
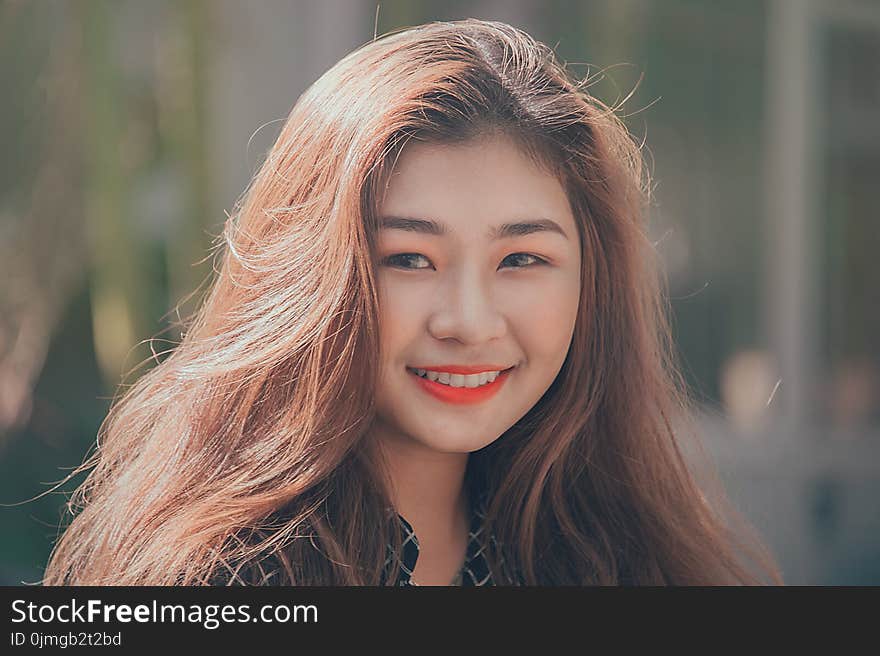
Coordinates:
<point>463,368</point>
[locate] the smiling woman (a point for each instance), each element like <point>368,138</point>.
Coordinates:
<point>496,287</point>
<point>436,352</point>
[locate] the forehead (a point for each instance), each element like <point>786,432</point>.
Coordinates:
<point>474,186</point>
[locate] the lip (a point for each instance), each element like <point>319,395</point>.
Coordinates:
<point>461,395</point>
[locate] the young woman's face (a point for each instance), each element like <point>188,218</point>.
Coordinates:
<point>479,266</point>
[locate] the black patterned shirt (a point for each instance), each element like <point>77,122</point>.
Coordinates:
<point>474,570</point>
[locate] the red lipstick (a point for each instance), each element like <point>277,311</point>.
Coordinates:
<point>461,395</point>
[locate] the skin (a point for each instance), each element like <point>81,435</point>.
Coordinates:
<point>461,298</point>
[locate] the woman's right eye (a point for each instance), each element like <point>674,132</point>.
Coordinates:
<point>392,260</point>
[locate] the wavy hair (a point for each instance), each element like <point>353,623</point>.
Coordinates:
<point>250,441</point>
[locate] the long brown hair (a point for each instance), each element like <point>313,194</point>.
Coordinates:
<point>251,440</point>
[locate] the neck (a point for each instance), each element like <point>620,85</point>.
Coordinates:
<point>427,489</point>
<point>427,486</point>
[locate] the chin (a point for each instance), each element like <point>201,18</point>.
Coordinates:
<point>454,443</point>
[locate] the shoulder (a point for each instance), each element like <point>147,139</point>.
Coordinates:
<point>266,571</point>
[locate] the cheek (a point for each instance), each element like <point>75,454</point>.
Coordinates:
<point>543,318</point>
<point>400,309</point>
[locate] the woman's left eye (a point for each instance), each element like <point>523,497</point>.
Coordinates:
<point>535,259</point>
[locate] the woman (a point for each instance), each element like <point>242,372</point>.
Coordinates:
<point>436,352</point>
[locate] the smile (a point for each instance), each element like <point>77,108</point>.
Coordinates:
<point>457,388</point>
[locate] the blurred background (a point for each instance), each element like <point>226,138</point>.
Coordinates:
<point>130,128</point>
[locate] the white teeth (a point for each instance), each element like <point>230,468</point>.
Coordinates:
<point>459,380</point>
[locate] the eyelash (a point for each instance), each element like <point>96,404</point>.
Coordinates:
<point>387,260</point>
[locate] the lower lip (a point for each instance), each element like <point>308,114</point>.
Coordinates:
<point>461,395</point>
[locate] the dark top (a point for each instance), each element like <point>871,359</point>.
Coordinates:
<point>474,570</point>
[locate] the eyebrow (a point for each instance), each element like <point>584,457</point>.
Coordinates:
<point>437,228</point>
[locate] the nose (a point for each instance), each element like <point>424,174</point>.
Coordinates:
<point>466,311</point>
